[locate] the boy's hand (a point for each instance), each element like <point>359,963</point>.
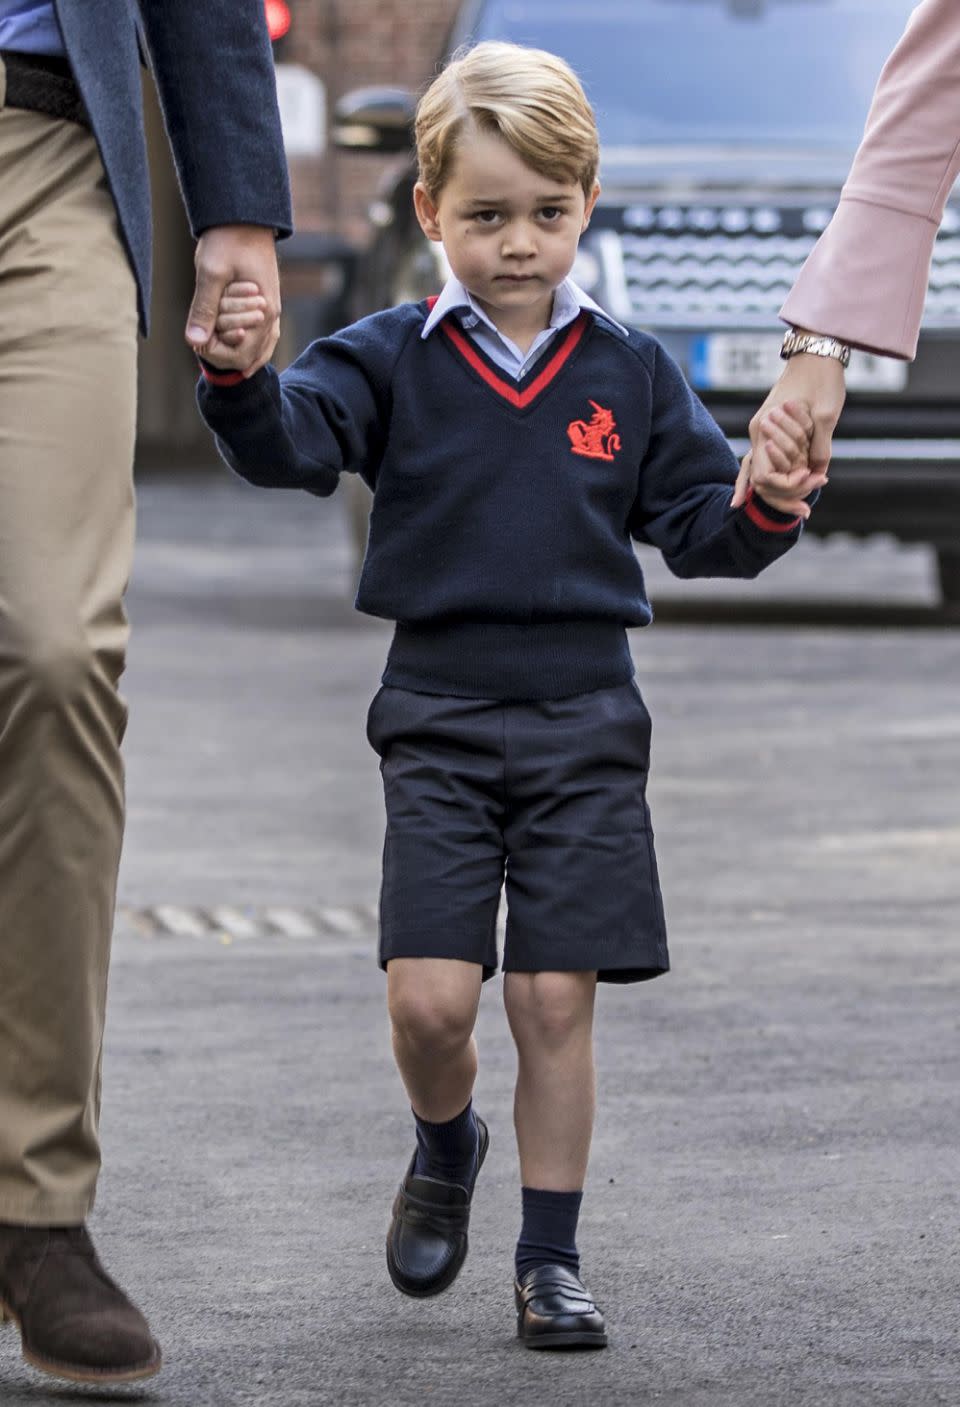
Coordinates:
<point>779,469</point>
<point>242,309</point>
<point>230,254</point>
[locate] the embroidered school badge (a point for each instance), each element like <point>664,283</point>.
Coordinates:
<point>596,438</point>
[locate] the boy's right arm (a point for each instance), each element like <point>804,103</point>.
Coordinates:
<point>324,416</point>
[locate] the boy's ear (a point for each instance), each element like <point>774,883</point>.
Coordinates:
<point>426,212</point>
<point>591,202</point>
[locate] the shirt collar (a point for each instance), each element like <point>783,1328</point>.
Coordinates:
<point>568,302</point>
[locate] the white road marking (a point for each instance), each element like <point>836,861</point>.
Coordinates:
<point>863,842</point>
<point>227,923</point>
<point>182,923</point>
<point>235,922</point>
<point>918,729</point>
<point>292,923</point>
<point>342,921</point>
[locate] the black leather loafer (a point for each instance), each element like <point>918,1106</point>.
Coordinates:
<point>556,1310</point>
<point>427,1241</point>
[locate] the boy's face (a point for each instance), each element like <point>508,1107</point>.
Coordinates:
<point>509,233</point>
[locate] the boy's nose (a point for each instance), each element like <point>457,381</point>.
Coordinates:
<point>518,244</point>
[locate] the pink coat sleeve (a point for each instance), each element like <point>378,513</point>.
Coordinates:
<point>866,280</point>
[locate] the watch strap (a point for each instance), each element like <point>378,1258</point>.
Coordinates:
<point>795,342</point>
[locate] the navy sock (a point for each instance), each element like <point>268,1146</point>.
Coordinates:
<point>549,1232</point>
<point>448,1151</point>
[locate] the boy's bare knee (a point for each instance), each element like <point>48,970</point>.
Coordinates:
<point>430,1020</point>
<point>549,1008</point>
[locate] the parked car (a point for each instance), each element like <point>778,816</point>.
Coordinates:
<point>727,129</point>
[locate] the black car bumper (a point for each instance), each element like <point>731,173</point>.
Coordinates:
<point>909,488</point>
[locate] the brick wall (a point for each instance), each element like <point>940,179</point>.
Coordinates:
<point>351,44</point>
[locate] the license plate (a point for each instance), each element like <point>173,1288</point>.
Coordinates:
<point>742,361</point>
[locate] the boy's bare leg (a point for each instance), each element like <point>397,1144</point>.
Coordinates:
<point>551,1018</point>
<point>433,1009</point>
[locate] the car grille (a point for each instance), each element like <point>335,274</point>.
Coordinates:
<point>717,279</point>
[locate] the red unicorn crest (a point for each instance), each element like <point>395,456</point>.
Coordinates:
<point>595,439</point>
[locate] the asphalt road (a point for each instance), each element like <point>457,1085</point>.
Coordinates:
<point>772,1213</point>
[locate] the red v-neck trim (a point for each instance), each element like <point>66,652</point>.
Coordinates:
<point>518,399</point>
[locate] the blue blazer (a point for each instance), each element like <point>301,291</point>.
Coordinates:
<point>213,67</point>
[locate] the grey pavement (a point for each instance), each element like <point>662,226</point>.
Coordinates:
<point>772,1212</point>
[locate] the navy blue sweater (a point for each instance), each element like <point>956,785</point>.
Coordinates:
<point>503,511</point>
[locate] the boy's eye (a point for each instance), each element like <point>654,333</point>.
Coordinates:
<point>486,217</point>
<point>552,213</point>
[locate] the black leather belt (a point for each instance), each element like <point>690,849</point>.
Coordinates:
<point>45,84</point>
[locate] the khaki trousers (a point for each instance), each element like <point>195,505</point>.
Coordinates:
<point>68,336</point>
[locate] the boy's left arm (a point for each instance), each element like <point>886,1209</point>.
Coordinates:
<point>686,483</point>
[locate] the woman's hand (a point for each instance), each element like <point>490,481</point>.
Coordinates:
<point>818,381</point>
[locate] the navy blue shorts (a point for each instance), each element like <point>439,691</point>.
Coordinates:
<point>547,797</point>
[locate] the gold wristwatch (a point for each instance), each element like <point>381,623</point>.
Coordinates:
<point>795,342</point>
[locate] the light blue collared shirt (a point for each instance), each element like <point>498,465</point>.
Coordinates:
<point>30,27</point>
<point>568,303</point>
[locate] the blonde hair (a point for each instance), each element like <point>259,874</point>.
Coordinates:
<point>530,98</point>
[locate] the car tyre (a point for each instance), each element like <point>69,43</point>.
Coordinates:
<point>948,568</point>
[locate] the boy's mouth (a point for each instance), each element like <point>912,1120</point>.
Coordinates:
<point>516,278</point>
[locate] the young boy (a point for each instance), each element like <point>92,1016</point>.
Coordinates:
<point>516,439</point>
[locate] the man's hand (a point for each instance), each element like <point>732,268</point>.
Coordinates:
<point>228,254</point>
<point>820,383</point>
<point>241,312</point>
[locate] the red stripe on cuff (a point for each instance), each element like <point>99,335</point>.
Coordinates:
<point>220,378</point>
<point>760,519</point>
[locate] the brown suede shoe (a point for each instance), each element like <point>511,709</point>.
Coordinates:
<point>74,1322</point>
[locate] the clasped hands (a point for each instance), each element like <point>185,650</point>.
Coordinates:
<point>231,257</point>
<point>818,384</point>
<point>778,468</point>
